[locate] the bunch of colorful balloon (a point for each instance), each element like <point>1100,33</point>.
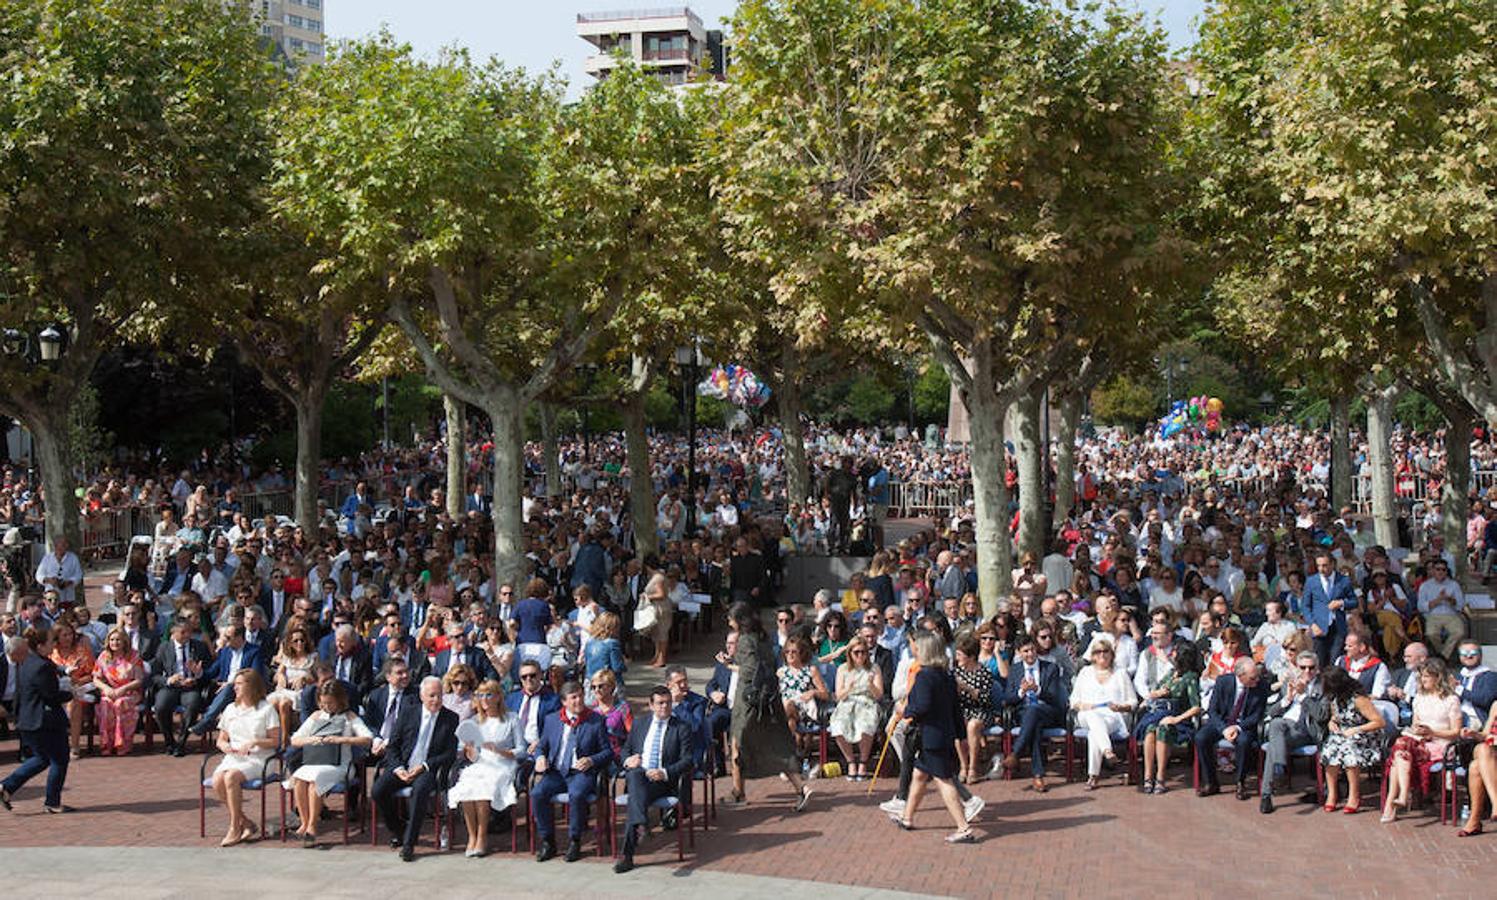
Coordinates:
<point>735,384</point>
<point>1199,411</point>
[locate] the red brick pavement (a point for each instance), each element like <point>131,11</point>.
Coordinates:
<point>1067,842</point>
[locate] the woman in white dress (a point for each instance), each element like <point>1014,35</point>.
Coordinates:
<point>855,718</point>
<point>293,672</point>
<point>488,740</point>
<point>1102,697</point>
<point>248,733</point>
<point>327,739</point>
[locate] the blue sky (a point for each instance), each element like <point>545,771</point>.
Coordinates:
<point>534,33</point>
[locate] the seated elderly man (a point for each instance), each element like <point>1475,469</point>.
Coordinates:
<point>1237,705</point>
<point>1403,684</point>
<point>1293,721</point>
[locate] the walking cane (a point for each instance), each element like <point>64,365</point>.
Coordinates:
<point>888,739</point>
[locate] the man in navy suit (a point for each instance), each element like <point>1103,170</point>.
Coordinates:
<point>1328,595</point>
<point>458,651</point>
<point>692,709</point>
<point>350,659</point>
<point>237,654</point>
<point>181,678</point>
<point>1237,704</point>
<point>1035,687</point>
<point>657,756</point>
<point>423,749</point>
<point>533,703</point>
<point>572,756</point>
<point>42,722</point>
<point>719,689</point>
<point>384,705</point>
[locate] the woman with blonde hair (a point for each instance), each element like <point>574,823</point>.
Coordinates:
<point>1437,721</point>
<point>119,676</point>
<point>603,650</point>
<point>488,741</point>
<point>293,672</point>
<point>457,690</point>
<point>72,657</point>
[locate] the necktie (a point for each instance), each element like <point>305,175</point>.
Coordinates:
<point>419,618</point>
<point>525,717</point>
<point>390,713</point>
<point>423,738</point>
<point>343,669</point>
<point>565,760</point>
<point>1237,705</point>
<point>652,750</point>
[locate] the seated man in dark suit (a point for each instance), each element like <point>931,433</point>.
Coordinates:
<point>236,654</point>
<point>422,750</point>
<point>571,757</point>
<point>384,705</point>
<point>350,660</point>
<point>692,709</point>
<point>1036,688</point>
<point>180,676</point>
<point>719,689</point>
<point>459,651</point>
<point>657,756</point>
<point>533,704</point>
<point>1237,705</point>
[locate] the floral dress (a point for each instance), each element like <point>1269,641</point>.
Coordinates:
<point>793,683</point>
<point>1361,750</point>
<point>1184,694</point>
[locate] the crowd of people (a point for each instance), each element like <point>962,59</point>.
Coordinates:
<point>1196,602</point>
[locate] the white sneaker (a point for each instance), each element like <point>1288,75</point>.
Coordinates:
<point>973,807</point>
<point>894,807</point>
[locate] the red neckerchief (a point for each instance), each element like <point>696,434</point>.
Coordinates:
<point>1371,662</point>
<point>571,722</point>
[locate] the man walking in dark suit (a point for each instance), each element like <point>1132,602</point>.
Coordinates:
<point>42,722</point>
<point>571,757</point>
<point>181,679</point>
<point>1036,688</point>
<point>1237,705</point>
<point>656,758</point>
<point>424,748</point>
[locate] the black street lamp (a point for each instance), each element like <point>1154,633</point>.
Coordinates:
<point>588,371</point>
<point>45,346</point>
<point>690,361</point>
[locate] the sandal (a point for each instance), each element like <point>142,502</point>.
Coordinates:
<point>1091,783</point>
<point>1351,810</point>
<point>965,836</point>
<point>1329,807</point>
<point>805,797</point>
<point>1469,832</point>
<point>903,823</point>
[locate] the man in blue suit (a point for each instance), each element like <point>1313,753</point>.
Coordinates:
<point>236,654</point>
<point>1034,686</point>
<point>572,756</point>
<point>691,708</point>
<point>657,758</point>
<point>1237,704</point>
<point>1328,595</point>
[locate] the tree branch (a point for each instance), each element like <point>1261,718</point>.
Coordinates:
<point>436,370</point>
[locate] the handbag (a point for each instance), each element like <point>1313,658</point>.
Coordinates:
<point>645,616</point>
<point>325,754</point>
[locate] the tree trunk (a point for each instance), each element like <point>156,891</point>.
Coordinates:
<point>797,470</point>
<point>457,480</point>
<point>551,447</point>
<point>990,495</point>
<point>1069,408</point>
<point>54,456</point>
<point>1455,493</point>
<point>1341,473</point>
<point>308,405</point>
<point>1379,436</point>
<point>641,488</point>
<point>1030,449</point>
<point>508,416</point>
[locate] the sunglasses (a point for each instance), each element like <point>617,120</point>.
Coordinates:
<point>1306,668</point>
<point>988,637</point>
<point>486,695</point>
<point>526,676</point>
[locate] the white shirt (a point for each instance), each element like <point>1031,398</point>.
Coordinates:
<point>530,726</point>
<point>68,568</point>
<point>1452,601</point>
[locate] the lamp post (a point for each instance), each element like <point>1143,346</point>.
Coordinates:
<point>690,361</point>
<point>588,371</point>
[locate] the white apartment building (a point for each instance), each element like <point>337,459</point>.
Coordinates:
<point>671,41</point>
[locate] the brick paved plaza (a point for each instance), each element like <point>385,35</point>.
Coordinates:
<point>1067,842</point>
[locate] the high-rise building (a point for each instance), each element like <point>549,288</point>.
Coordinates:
<point>294,27</point>
<point>670,41</point>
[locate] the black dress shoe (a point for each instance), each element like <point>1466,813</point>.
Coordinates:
<point>625,864</point>
<point>670,820</point>
<point>407,854</point>
<point>5,799</point>
<point>1243,793</point>
<point>396,843</point>
<point>547,851</point>
<point>1209,790</point>
<point>574,851</point>
<point>1265,805</point>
